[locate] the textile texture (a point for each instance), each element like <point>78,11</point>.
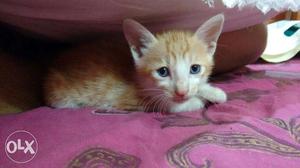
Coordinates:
<point>257,127</point>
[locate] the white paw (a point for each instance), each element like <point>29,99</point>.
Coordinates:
<point>219,96</point>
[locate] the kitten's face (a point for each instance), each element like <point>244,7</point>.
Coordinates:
<point>177,63</point>
<point>173,65</point>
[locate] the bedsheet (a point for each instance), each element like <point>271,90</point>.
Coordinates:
<point>259,126</point>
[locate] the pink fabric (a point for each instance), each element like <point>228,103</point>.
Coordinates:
<point>257,127</point>
<point>71,18</point>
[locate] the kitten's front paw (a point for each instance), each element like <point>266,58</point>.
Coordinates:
<point>220,96</point>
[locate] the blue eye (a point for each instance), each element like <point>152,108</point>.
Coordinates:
<point>195,69</point>
<point>163,72</point>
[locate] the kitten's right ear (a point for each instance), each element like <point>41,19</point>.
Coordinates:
<point>138,37</point>
<point>210,31</point>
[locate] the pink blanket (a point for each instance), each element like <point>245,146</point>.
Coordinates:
<point>258,127</point>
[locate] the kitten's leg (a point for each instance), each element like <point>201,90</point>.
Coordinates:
<point>64,103</point>
<point>212,94</point>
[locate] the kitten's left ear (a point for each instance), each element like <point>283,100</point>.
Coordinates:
<point>210,31</point>
<point>138,37</point>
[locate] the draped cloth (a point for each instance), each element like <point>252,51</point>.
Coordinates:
<point>71,18</point>
<point>265,6</point>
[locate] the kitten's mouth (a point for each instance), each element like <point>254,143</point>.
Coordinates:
<point>180,99</point>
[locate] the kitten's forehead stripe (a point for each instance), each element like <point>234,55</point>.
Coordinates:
<point>177,44</point>
<point>180,44</point>
<point>177,47</point>
<point>186,46</point>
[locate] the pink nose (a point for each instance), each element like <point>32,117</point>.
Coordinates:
<point>180,94</point>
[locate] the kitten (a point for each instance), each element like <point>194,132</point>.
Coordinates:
<point>164,72</point>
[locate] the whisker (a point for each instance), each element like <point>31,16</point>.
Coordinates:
<point>159,100</point>
<point>147,103</point>
<point>141,102</point>
<point>155,103</point>
<point>150,89</point>
<point>153,100</point>
<point>147,97</point>
<point>160,105</point>
<point>165,105</point>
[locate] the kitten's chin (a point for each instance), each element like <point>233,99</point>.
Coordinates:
<point>190,104</point>
<point>179,100</point>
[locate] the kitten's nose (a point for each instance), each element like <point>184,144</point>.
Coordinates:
<point>180,94</point>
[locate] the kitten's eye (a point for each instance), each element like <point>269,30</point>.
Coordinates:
<point>163,71</point>
<point>195,69</point>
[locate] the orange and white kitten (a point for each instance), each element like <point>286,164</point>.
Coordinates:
<point>164,72</point>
